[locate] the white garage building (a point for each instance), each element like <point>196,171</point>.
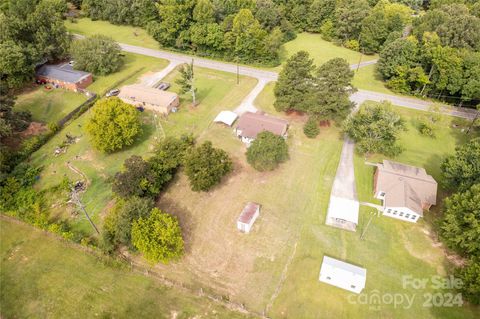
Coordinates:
<point>343,275</point>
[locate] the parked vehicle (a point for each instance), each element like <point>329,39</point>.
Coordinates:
<point>163,86</point>
<point>113,92</point>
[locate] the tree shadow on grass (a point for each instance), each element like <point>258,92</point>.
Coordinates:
<point>184,218</point>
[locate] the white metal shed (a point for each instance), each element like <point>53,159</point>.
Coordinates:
<point>343,275</point>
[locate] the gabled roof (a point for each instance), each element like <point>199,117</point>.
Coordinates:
<point>140,93</point>
<point>62,72</point>
<point>406,186</point>
<point>251,124</point>
<point>248,212</point>
<point>332,265</point>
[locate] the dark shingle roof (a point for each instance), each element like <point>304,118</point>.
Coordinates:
<point>62,72</point>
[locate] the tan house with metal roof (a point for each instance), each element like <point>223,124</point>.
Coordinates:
<point>251,124</point>
<point>405,190</point>
<point>149,98</point>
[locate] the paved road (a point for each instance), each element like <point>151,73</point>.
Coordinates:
<point>265,76</point>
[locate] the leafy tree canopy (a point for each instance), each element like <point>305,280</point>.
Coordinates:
<point>205,166</point>
<point>158,237</point>
<point>97,54</point>
<point>113,125</point>
<point>267,151</point>
<point>462,170</point>
<point>375,129</point>
<point>460,227</point>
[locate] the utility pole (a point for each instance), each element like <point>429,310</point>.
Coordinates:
<point>474,119</point>
<point>238,73</point>
<point>79,203</point>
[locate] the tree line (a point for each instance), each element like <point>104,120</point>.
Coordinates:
<point>234,30</point>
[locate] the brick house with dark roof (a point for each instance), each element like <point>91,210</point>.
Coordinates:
<point>64,76</point>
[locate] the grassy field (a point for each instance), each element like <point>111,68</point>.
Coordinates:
<point>320,50</point>
<point>120,33</point>
<point>48,106</point>
<point>43,277</point>
<point>216,91</point>
<point>390,250</point>
<point>367,79</point>
<point>134,66</point>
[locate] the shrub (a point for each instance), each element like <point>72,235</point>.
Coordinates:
<point>352,45</point>
<point>426,128</point>
<point>311,129</point>
<point>158,237</point>
<point>470,276</point>
<point>267,151</point>
<point>327,30</point>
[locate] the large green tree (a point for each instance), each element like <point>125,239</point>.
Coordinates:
<point>97,54</point>
<point>460,227</point>
<point>375,129</point>
<point>349,15</point>
<point>399,53</point>
<point>267,151</point>
<point>158,237</point>
<point>461,170</point>
<point>331,90</point>
<point>205,166</point>
<point>294,83</point>
<point>382,20</point>
<point>470,277</point>
<point>136,179</point>
<point>113,125</point>
<point>117,226</point>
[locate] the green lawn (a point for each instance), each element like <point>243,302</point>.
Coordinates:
<point>366,78</point>
<point>134,66</point>
<point>320,50</point>
<point>419,150</point>
<point>48,106</point>
<point>216,91</point>
<point>391,249</point>
<point>42,276</point>
<point>120,33</point>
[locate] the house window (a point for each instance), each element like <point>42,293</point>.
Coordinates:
<point>352,286</point>
<point>414,217</point>
<point>407,215</point>
<point>382,194</point>
<point>389,211</point>
<point>394,212</point>
<point>329,278</point>
<point>401,214</point>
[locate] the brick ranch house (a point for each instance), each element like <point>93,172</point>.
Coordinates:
<point>150,98</point>
<point>251,124</point>
<point>64,76</point>
<point>406,191</point>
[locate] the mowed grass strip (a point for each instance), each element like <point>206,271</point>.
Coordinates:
<point>48,106</point>
<point>216,91</point>
<point>42,276</point>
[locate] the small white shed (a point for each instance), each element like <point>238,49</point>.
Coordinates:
<point>226,117</point>
<point>343,275</point>
<point>248,216</point>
